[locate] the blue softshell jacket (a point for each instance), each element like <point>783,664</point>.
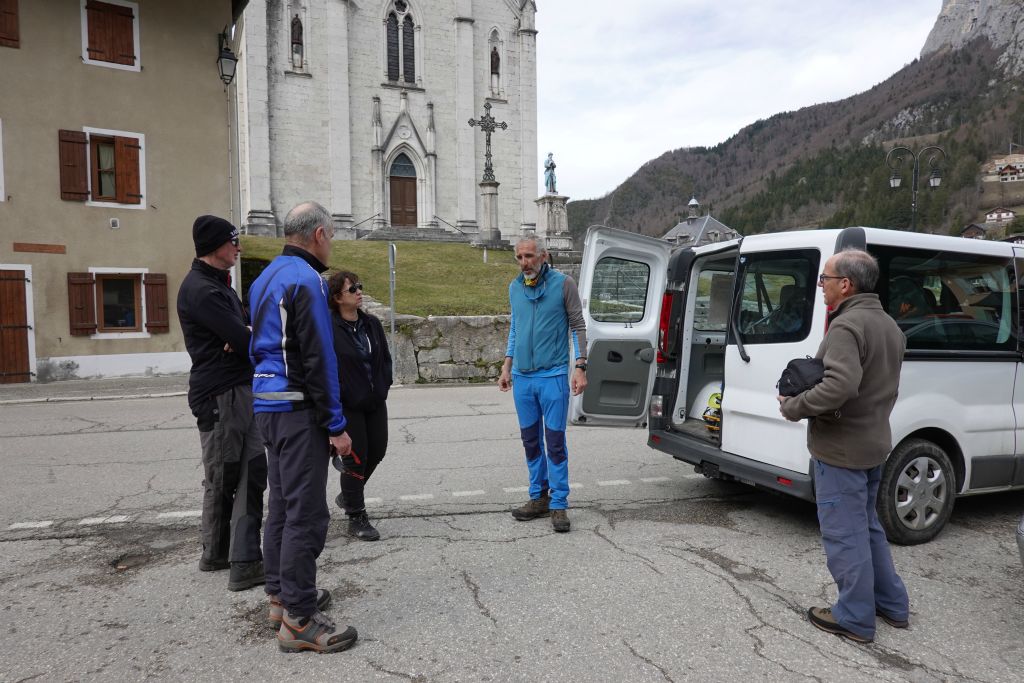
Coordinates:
<point>540,324</point>
<point>292,347</point>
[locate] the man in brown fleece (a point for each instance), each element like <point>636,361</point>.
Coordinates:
<point>849,437</point>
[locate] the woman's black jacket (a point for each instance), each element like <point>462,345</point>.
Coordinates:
<point>358,391</point>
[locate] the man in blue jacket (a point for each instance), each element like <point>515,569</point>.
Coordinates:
<point>295,390</point>
<point>545,307</point>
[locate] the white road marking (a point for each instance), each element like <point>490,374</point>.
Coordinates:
<point>516,489</point>
<point>373,501</point>
<point>652,480</point>
<point>462,494</point>
<point>614,482</point>
<point>31,525</point>
<point>417,496</point>
<point>576,485</point>
<point>180,514</point>
<point>113,519</point>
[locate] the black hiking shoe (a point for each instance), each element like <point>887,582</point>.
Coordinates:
<point>895,623</point>
<point>360,527</point>
<point>534,508</point>
<point>823,619</point>
<point>212,565</point>
<point>323,601</point>
<point>246,575</point>
<point>316,634</point>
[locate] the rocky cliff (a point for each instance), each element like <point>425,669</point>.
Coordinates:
<point>1001,21</point>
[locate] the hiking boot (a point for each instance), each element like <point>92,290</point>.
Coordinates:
<point>823,619</point>
<point>323,601</point>
<point>560,521</point>
<point>316,633</point>
<point>209,565</point>
<point>245,575</point>
<point>360,527</point>
<point>895,623</point>
<point>534,508</point>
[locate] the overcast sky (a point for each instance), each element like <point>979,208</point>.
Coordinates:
<point>622,81</point>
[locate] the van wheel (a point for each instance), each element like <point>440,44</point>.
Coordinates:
<point>915,496</point>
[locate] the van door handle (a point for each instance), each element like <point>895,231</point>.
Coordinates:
<point>614,357</point>
<point>646,355</point>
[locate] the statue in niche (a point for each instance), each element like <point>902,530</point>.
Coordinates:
<point>549,174</point>
<point>298,48</point>
<point>495,69</point>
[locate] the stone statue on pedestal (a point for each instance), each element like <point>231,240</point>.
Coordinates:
<point>549,174</point>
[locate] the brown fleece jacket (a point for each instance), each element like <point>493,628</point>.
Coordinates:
<point>863,352</point>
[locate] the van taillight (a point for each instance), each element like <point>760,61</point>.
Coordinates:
<point>666,313</point>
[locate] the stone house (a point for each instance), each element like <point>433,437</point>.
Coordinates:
<point>113,138</point>
<point>697,230</point>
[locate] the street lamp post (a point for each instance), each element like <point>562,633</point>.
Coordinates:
<point>894,160</point>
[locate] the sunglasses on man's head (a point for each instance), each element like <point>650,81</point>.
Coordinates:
<point>356,287</point>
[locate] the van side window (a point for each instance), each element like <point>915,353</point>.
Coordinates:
<point>777,296</point>
<point>619,292</point>
<point>714,294</point>
<point>948,301</point>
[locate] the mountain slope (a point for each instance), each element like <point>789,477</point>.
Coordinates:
<point>824,165</point>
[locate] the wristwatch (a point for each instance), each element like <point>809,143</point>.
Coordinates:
<point>581,365</point>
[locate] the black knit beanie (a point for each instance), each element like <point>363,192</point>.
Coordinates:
<point>210,232</point>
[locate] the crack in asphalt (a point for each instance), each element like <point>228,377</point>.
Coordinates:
<point>474,588</point>
<point>416,678</point>
<point>650,662</point>
<point>645,561</point>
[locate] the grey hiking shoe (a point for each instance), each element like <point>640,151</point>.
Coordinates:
<point>534,508</point>
<point>323,601</point>
<point>560,520</point>
<point>316,633</point>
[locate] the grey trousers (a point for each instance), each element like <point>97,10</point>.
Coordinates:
<point>235,477</point>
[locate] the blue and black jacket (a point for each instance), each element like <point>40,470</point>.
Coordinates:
<point>292,348</point>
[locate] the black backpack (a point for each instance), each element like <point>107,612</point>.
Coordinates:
<point>800,375</point>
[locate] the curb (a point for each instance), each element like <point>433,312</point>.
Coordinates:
<point>71,399</point>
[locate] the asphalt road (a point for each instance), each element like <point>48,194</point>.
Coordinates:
<point>665,576</point>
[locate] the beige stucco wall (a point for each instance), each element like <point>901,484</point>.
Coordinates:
<point>176,101</point>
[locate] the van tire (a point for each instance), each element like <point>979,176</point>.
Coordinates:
<point>916,469</point>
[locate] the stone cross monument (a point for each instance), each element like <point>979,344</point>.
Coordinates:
<point>490,233</point>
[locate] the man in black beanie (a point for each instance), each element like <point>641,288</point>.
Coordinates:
<point>220,396</point>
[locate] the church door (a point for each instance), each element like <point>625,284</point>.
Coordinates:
<point>403,193</point>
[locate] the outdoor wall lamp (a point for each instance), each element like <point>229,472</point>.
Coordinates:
<point>226,59</point>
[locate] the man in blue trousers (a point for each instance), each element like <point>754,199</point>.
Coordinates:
<point>849,437</point>
<point>545,308</point>
<point>295,390</point>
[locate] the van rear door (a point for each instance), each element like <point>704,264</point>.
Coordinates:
<point>622,280</point>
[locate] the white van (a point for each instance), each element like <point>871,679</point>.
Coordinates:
<point>670,331</point>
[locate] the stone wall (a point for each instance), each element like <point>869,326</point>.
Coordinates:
<point>447,348</point>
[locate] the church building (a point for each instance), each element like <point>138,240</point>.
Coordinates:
<point>365,107</point>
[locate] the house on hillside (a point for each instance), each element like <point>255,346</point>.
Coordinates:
<point>1000,215</point>
<point>1006,169</point>
<point>364,107</point>
<point>1010,174</point>
<point>975,232</point>
<point>697,229</point>
<point>114,136</point>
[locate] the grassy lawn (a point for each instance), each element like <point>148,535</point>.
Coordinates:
<point>430,278</point>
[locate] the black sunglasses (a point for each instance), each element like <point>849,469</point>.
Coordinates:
<point>234,241</point>
<point>357,286</point>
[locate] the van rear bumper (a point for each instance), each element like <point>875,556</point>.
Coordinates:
<point>730,465</point>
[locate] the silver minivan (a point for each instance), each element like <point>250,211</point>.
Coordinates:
<point>689,343</point>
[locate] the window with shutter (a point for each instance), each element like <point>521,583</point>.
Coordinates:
<point>126,169</point>
<point>74,165</point>
<point>9,35</point>
<point>82,304</point>
<point>111,30</point>
<point>120,298</point>
<point>157,318</point>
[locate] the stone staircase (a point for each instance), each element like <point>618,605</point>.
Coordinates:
<point>416,235</point>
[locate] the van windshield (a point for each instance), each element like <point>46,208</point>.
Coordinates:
<point>776,296</point>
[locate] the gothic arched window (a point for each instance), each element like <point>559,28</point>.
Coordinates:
<point>400,43</point>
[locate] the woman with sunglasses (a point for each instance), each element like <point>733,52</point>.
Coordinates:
<point>364,374</point>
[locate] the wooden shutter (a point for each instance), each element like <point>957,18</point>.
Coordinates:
<point>408,51</point>
<point>14,329</point>
<point>157,319</point>
<point>82,304</point>
<point>9,35</point>
<point>392,43</point>
<point>111,30</point>
<point>126,170</point>
<point>74,165</point>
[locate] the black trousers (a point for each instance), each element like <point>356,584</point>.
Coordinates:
<point>234,478</point>
<point>298,455</point>
<point>368,430</point>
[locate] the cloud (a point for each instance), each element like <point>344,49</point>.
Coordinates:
<point>620,84</point>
